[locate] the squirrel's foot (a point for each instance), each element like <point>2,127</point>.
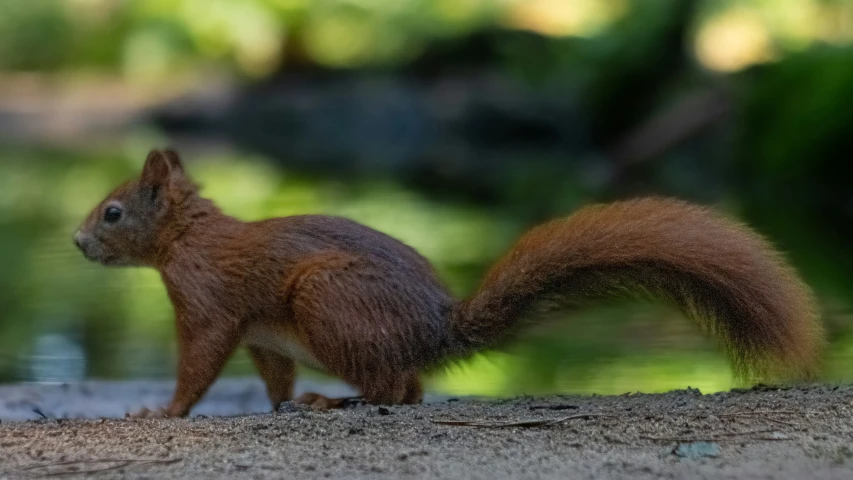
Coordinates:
<point>321,402</point>
<point>147,413</point>
<point>164,412</point>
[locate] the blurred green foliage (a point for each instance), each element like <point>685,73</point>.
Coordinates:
<point>162,37</point>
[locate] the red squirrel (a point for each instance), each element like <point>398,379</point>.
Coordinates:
<point>356,303</point>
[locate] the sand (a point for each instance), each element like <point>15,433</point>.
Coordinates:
<point>802,432</point>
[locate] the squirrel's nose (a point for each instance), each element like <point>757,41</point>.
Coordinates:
<point>78,240</point>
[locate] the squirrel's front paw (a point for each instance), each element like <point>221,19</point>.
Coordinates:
<point>146,413</point>
<point>321,402</point>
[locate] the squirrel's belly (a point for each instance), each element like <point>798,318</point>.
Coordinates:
<point>281,340</point>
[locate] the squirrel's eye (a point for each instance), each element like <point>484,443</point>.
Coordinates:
<point>112,214</point>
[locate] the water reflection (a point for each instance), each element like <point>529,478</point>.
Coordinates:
<point>56,358</point>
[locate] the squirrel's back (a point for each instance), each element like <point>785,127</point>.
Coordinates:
<point>324,232</point>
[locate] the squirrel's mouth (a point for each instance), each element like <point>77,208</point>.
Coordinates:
<point>103,260</point>
<point>108,260</point>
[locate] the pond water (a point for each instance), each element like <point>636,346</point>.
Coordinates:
<point>63,319</point>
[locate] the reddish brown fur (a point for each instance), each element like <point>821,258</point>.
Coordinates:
<point>717,271</point>
<point>357,303</point>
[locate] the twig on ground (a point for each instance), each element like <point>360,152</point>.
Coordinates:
<point>522,423</point>
<point>764,415</point>
<point>615,440</point>
<point>712,438</point>
<point>761,412</point>
<point>119,463</point>
<point>247,466</point>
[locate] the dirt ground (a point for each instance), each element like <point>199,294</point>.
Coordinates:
<point>802,432</point>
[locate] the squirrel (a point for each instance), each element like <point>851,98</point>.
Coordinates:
<point>358,304</point>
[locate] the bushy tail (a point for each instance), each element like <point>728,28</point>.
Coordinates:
<point>717,271</point>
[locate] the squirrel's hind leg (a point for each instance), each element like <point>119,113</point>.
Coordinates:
<point>392,389</point>
<point>278,373</point>
<point>364,324</point>
<point>404,391</point>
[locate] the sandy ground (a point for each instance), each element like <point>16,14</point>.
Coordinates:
<point>758,433</point>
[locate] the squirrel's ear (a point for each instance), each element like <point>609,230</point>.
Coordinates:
<point>174,160</point>
<point>157,169</point>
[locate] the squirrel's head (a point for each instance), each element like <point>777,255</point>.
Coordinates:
<point>134,222</point>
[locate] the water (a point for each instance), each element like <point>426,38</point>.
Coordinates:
<point>63,319</point>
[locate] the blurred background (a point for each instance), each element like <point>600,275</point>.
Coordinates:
<point>453,125</point>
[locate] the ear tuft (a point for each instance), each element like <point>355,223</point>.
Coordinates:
<point>157,169</point>
<point>174,160</point>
